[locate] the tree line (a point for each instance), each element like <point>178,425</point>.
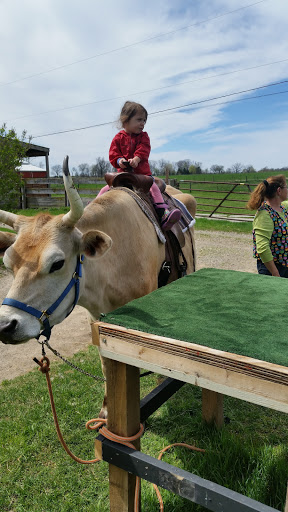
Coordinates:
<point>162,167</point>
<point>13,150</point>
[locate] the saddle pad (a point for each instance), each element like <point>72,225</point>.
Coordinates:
<point>145,209</point>
<point>186,221</point>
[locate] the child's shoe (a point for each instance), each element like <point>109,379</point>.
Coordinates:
<point>169,218</point>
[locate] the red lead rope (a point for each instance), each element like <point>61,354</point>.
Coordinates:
<point>98,423</point>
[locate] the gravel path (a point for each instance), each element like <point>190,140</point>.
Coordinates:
<point>229,251</point>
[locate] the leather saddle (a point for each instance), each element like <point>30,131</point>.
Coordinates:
<point>133,181</point>
<point>175,264</point>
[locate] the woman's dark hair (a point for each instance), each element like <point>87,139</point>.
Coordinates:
<point>267,188</point>
<point>130,109</point>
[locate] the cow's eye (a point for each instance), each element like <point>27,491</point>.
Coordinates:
<point>56,266</point>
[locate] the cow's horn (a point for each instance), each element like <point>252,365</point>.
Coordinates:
<point>8,218</point>
<point>76,205</point>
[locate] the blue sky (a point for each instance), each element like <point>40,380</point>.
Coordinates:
<point>66,66</point>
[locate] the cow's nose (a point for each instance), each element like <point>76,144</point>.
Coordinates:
<point>8,326</point>
<point>7,330</point>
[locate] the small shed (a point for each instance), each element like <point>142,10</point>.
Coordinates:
<point>33,151</point>
<point>32,171</point>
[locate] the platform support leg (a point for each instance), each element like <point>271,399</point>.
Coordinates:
<point>212,407</point>
<point>123,404</point>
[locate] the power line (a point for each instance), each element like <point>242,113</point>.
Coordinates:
<point>195,103</point>
<point>132,44</point>
<point>219,97</point>
<point>148,90</point>
<point>228,102</point>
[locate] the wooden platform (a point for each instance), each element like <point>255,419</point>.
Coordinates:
<point>260,327</point>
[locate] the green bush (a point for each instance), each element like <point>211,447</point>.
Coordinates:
<point>12,154</point>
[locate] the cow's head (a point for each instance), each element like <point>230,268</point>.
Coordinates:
<point>42,256</point>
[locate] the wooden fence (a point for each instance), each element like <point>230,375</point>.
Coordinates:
<point>50,192</point>
<point>215,199</point>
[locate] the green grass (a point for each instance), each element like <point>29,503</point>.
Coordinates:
<point>201,223</point>
<point>31,212</point>
<point>223,225</point>
<point>253,177</point>
<point>249,455</point>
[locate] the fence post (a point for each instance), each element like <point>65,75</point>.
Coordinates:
<point>167,175</point>
<point>23,197</point>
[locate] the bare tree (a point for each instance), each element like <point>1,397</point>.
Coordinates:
<point>237,168</point>
<point>56,170</point>
<point>84,169</point>
<point>216,169</point>
<point>100,168</point>
<point>249,168</point>
<point>154,167</point>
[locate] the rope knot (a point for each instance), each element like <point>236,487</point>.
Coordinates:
<point>44,364</point>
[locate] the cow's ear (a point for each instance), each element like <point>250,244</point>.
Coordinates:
<point>95,244</point>
<point>6,239</point>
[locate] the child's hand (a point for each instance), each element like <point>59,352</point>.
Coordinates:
<point>121,165</point>
<point>134,161</point>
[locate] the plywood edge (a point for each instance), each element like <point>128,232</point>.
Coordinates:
<point>252,390</point>
<point>185,346</point>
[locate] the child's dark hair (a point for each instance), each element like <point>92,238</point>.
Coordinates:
<point>130,109</point>
<point>267,188</point>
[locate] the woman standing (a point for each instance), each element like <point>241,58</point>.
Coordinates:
<point>270,226</point>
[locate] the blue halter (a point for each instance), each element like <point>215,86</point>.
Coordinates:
<point>43,316</point>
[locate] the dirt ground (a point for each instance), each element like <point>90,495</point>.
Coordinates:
<point>229,251</point>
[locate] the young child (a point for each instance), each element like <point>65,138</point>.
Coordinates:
<point>132,145</point>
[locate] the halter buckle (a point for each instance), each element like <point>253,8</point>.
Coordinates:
<point>44,313</point>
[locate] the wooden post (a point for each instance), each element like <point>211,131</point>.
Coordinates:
<point>47,165</point>
<point>212,407</point>
<point>123,404</point>
<point>23,197</point>
<point>167,175</point>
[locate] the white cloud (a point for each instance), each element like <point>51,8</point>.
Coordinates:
<point>39,36</point>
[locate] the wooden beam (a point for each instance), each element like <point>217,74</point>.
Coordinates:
<point>210,495</point>
<point>158,396</point>
<point>123,404</point>
<point>212,408</point>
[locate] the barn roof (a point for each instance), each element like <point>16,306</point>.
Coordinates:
<point>34,150</point>
<point>30,168</point>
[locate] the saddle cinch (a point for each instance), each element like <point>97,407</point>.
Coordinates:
<point>175,264</point>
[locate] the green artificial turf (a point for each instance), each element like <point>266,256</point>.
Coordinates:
<point>233,311</point>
